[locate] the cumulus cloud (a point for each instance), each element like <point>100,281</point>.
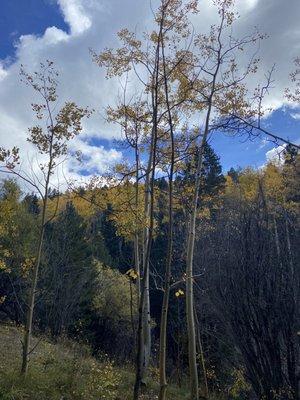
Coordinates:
<point>95,159</point>
<point>276,155</point>
<point>277,19</point>
<point>75,15</point>
<point>3,73</point>
<point>93,23</point>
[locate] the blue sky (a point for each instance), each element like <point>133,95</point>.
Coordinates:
<point>22,17</point>
<point>241,152</point>
<point>31,30</point>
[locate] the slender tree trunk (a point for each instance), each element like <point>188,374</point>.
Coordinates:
<point>192,348</point>
<point>132,307</point>
<point>29,318</point>
<point>178,347</point>
<point>165,305</point>
<point>164,312</point>
<point>136,235</point>
<point>144,332</point>
<point>144,328</point>
<point>201,352</point>
<point>145,343</point>
<point>137,264</point>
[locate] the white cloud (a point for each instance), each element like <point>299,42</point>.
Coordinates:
<point>295,115</point>
<point>96,159</point>
<point>249,3</point>
<point>75,15</point>
<point>3,72</point>
<point>276,155</point>
<point>93,23</point>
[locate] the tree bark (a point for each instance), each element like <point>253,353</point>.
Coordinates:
<point>165,305</point>
<point>29,319</point>
<point>144,328</point>
<point>200,348</point>
<point>192,349</point>
<point>28,325</point>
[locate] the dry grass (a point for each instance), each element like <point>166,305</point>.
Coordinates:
<point>65,371</point>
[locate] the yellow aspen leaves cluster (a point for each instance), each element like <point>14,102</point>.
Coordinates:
<point>132,274</point>
<point>179,293</point>
<point>27,265</point>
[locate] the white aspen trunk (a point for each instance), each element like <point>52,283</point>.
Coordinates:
<point>144,328</point>
<point>29,318</point>
<point>146,319</point>
<point>165,306</point>
<point>163,346</point>
<point>137,264</point>
<point>136,235</point>
<point>200,348</point>
<point>192,348</point>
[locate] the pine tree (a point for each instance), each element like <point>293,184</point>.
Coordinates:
<point>31,203</point>
<point>67,279</point>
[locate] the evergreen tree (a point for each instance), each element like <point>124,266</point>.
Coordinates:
<point>120,252</point>
<point>211,186</point>
<point>213,180</point>
<point>31,203</point>
<point>68,274</point>
<point>234,174</point>
<point>97,241</point>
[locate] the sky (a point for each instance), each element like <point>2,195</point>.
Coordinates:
<point>64,30</point>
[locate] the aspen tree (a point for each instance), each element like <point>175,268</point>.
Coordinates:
<point>51,142</point>
<point>143,60</point>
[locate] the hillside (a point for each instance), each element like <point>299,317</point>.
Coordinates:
<point>64,371</point>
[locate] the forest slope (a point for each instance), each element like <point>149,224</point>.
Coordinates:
<point>64,371</point>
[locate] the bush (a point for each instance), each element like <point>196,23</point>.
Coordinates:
<point>114,314</point>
